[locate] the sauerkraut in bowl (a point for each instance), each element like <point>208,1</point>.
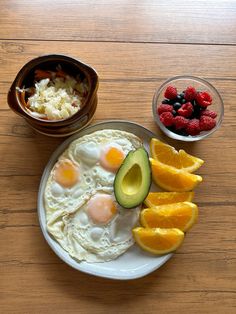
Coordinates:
<point>56,95</point>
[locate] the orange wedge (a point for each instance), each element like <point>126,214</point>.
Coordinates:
<point>172,179</point>
<point>171,157</point>
<point>160,198</point>
<point>158,240</point>
<point>179,215</point>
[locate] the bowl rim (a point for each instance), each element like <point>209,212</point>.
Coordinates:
<point>182,137</point>
<point>27,67</point>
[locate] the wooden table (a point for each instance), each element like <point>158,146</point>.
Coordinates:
<point>134,45</point>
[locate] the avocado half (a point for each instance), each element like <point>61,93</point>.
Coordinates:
<point>133,179</point>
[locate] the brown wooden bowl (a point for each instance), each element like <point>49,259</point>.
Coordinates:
<point>25,78</point>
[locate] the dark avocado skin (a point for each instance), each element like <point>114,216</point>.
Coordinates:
<point>148,179</point>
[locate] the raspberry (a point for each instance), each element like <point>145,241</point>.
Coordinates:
<point>167,118</point>
<point>193,127</point>
<point>186,110</point>
<point>206,123</point>
<point>171,92</point>
<point>164,108</point>
<point>209,113</point>
<point>204,99</point>
<point>180,122</point>
<point>190,93</point>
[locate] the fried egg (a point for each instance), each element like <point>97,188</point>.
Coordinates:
<point>81,209</point>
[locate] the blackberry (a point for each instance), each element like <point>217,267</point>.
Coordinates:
<point>181,132</point>
<point>176,106</point>
<point>196,111</point>
<point>172,101</point>
<point>179,98</point>
<point>174,113</point>
<point>166,101</point>
<point>171,128</point>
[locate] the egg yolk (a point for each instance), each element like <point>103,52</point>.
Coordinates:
<point>112,158</point>
<point>66,173</point>
<point>101,208</point>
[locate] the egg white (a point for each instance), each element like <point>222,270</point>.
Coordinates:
<point>85,240</point>
<point>67,219</point>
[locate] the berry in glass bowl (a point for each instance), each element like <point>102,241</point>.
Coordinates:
<point>187,108</point>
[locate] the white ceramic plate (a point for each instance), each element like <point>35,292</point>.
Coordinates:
<point>134,263</point>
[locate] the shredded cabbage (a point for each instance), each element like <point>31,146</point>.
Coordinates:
<point>56,98</point>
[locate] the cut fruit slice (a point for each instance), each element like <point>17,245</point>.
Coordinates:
<point>172,179</point>
<point>160,198</point>
<point>133,179</point>
<point>171,157</point>
<point>178,215</point>
<point>157,240</point>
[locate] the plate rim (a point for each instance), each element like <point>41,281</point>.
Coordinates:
<point>49,239</point>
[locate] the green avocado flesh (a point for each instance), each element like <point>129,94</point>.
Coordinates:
<point>133,179</point>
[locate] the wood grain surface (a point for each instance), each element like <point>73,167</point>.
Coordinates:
<point>134,46</point>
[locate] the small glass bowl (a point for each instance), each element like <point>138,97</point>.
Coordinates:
<point>181,83</point>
